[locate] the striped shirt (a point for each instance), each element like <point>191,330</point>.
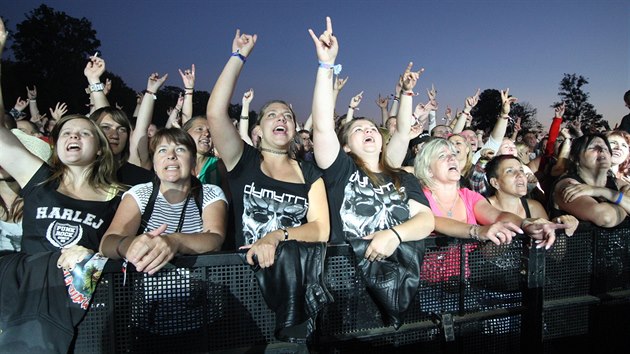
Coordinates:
<point>167,213</point>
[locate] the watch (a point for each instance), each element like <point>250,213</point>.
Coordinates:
<point>99,86</point>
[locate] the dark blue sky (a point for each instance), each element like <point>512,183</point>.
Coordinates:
<point>463,45</point>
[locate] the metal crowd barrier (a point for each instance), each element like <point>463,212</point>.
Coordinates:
<point>473,298</point>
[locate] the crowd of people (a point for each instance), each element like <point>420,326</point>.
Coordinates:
<point>99,182</point>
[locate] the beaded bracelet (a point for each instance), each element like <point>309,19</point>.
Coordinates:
<point>619,199</point>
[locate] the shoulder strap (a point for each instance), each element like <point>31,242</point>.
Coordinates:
<point>148,209</point>
<point>197,192</point>
<point>528,213</point>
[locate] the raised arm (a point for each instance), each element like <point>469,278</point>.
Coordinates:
<point>393,110</point>
<point>325,142</point>
<point>498,132</point>
<point>243,123</point>
<point>188,78</point>
<point>14,157</point>
<point>382,103</point>
<point>465,118</point>
<point>32,101</point>
<point>174,113</point>
<point>396,149</point>
<point>224,134</point>
<point>352,106</point>
<point>93,71</point>
<point>139,141</point>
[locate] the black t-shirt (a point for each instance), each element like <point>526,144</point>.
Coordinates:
<point>358,208</point>
<point>132,175</point>
<point>53,220</point>
<point>262,204</point>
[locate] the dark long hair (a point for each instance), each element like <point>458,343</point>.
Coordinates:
<point>388,170</point>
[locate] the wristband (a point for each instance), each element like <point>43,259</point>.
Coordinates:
<point>239,55</point>
<point>352,108</point>
<point>96,87</point>
<point>397,235</point>
<point>245,117</point>
<point>336,68</point>
<point>188,93</point>
<point>286,233</point>
<point>32,100</point>
<point>151,93</point>
<point>473,232</point>
<point>409,93</point>
<point>396,98</point>
<point>505,117</point>
<point>189,88</point>
<point>619,199</point>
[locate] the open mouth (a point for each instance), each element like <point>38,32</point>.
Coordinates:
<point>73,147</point>
<point>280,129</point>
<point>369,139</point>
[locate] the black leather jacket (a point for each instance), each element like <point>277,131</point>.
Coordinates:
<point>393,282</point>
<point>294,288</point>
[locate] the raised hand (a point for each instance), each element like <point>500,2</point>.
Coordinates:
<point>248,96</point>
<point>155,82</point>
<point>410,78</point>
<point>448,114</point>
<point>517,125</point>
<point>432,95</point>
<point>471,101</point>
<point>243,43</point>
<point>559,110</point>
<point>188,77</point>
<point>20,104</point>
<point>382,101</point>
<point>31,94</point>
<point>354,102</point>
<point>339,83</point>
<point>59,111</point>
<point>326,44</point>
<point>94,68</point>
<point>108,87</point>
<point>506,101</point>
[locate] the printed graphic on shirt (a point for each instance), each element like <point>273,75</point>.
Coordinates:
<point>64,234</point>
<point>81,281</point>
<point>266,210</point>
<point>367,209</point>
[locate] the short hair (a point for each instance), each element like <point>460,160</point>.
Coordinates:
<point>492,169</point>
<point>626,97</point>
<point>174,135</point>
<point>119,116</point>
<point>428,154</point>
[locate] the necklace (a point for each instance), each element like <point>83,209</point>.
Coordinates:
<point>449,212</point>
<point>277,152</point>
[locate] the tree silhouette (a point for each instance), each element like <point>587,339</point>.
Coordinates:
<point>488,108</point>
<point>577,105</point>
<point>50,50</point>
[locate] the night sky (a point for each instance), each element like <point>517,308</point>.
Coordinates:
<point>463,45</point>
